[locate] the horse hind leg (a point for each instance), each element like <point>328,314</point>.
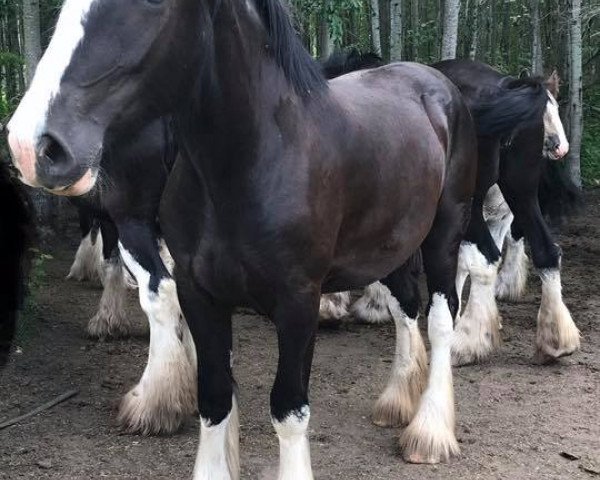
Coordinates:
<point>166,393</point>
<point>397,404</point>
<point>430,436</point>
<point>372,307</point>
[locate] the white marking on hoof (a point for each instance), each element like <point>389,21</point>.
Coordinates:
<point>89,262</point>
<point>372,307</point>
<point>167,391</point>
<point>294,449</point>
<point>477,331</point>
<point>111,320</point>
<point>557,334</point>
<point>398,403</point>
<point>218,455</point>
<point>512,278</point>
<point>334,307</point>
<point>429,438</point>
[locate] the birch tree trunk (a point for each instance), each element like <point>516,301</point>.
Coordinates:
<point>375,27</point>
<point>537,59</point>
<point>46,206</point>
<point>414,22</point>
<point>450,29</point>
<point>31,37</point>
<point>325,40</point>
<point>575,93</point>
<point>475,37</point>
<point>395,30</point>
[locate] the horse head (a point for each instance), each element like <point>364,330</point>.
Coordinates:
<point>105,71</point>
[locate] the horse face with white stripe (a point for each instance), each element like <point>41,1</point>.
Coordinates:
<point>90,73</point>
<point>556,145</point>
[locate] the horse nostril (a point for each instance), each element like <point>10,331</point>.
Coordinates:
<point>51,150</point>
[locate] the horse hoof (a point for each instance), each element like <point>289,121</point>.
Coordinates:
<point>103,326</point>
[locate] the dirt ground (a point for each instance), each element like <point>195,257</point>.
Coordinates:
<point>514,418</point>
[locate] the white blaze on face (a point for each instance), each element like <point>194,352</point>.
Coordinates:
<point>28,122</point>
<point>553,127</point>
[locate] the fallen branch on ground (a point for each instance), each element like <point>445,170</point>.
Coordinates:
<point>52,403</point>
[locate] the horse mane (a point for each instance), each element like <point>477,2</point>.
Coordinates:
<point>517,103</point>
<point>345,61</point>
<point>300,69</point>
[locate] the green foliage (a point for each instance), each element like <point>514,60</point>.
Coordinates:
<point>590,145</point>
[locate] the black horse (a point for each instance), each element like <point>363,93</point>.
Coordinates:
<point>16,233</point>
<point>284,186</point>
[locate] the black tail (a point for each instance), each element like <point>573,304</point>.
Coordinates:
<point>517,103</point>
<point>559,197</point>
<point>15,236</point>
<point>342,62</point>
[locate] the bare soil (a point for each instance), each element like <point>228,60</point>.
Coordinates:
<point>515,420</point>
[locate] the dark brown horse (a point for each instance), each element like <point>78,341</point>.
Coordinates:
<point>285,186</point>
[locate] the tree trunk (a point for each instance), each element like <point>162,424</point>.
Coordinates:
<point>396,30</point>
<point>375,27</point>
<point>31,37</point>
<point>414,22</point>
<point>537,59</point>
<point>575,93</point>
<point>325,40</point>
<point>450,31</point>
<point>475,37</point>
<point>46,205</point>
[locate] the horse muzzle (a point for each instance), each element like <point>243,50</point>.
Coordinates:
<point>49,165</point>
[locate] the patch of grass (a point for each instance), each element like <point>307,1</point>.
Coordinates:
<point>590,142</point>
<point>27,326</point>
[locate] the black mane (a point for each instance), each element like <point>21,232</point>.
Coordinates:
<point>301,70</point>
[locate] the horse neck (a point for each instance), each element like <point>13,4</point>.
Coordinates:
<point>242,79</point>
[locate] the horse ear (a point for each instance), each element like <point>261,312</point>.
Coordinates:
<point>553,83</point>
<point>524,73</point>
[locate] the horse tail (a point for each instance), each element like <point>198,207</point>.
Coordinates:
<point>515,104</point>
<point>558,196</point>
<point>15,235</point>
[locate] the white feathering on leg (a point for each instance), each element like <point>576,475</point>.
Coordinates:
<point>372,307</point>
<point>218,456</point>
<point>430,438</point>
<point>557,334</point>
<point>397,404</point>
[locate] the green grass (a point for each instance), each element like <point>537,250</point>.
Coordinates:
<point>590,143</point>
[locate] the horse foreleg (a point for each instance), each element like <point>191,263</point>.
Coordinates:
<point>296,322</point>
<point>372,307</point>
<point>166,393</point>
<point>88,262</point>
<point>110,320</point>
<point>334,307</point>
<point>557,335</point>
<point>210,326</point>
<point>477,330</point>
<point>512,276</point>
